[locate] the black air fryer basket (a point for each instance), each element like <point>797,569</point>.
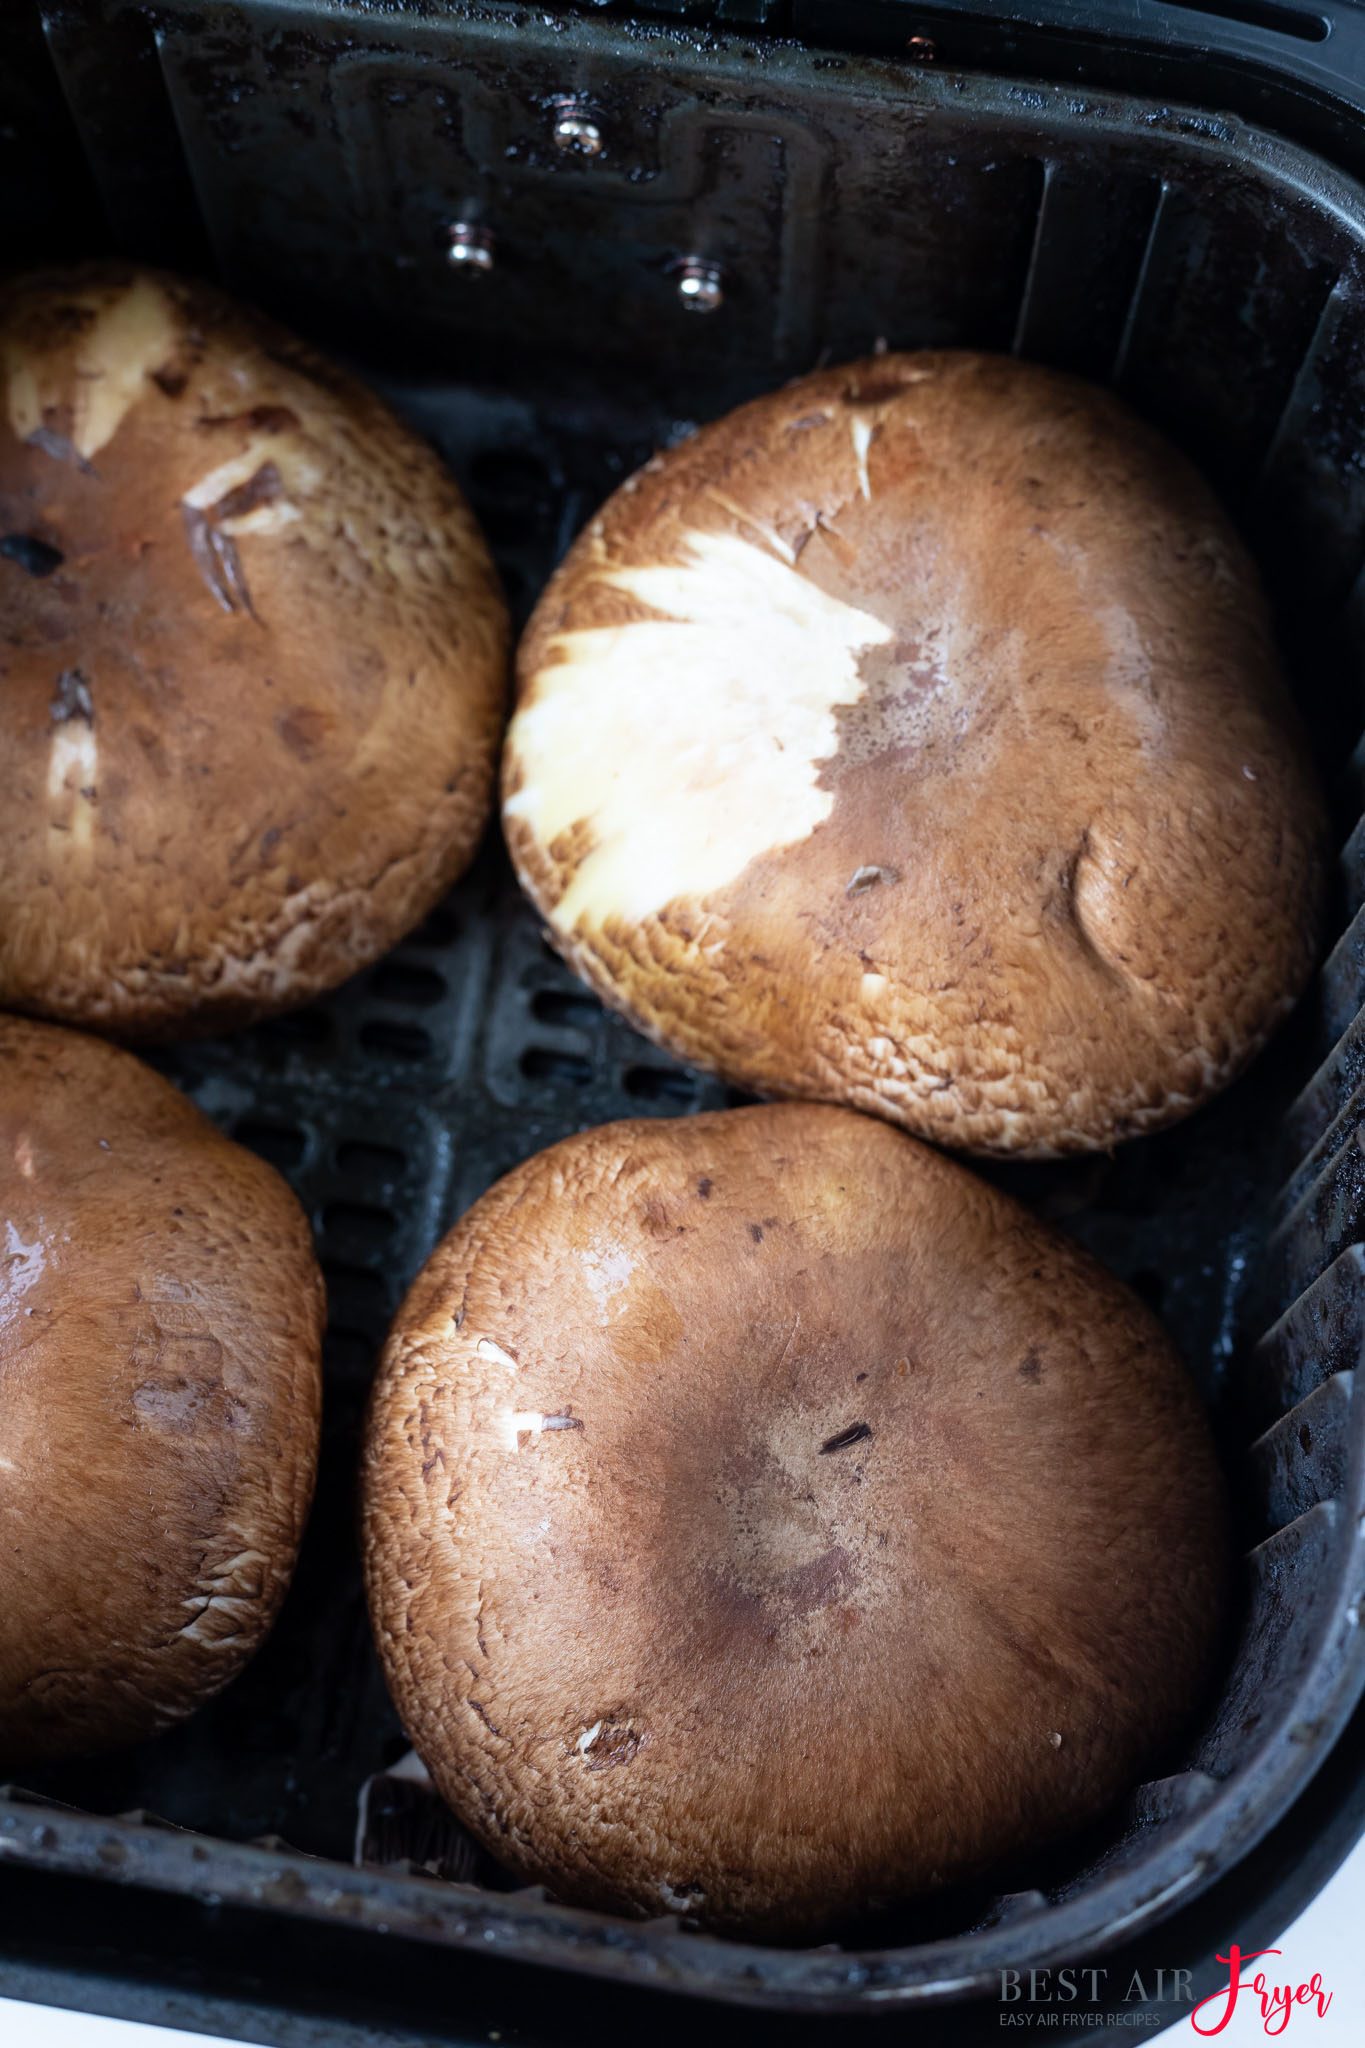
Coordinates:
<point>398,181</point>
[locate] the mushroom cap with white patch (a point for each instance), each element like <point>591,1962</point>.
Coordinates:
<point>255,661</point>
<point>763,1514</point>
<point>159,1401</point>
<point>914,738</point>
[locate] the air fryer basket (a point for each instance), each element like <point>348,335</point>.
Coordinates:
<point>316,155</point>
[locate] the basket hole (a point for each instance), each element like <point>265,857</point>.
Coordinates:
<point>366,1220</point>
<point>506,525</point>
<point>279,1144</point>
<point>510,476</point>
<point>370,1162</point>
<point>360,1286</point>
<point>568,1007</point>
<point>397,1041</point>
<point>439,929</point>
<point>542,1063</point>
<point>298,1027</point>
<point>659,1084</point>
<point>392,982</point>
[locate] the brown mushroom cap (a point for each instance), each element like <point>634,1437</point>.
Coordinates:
<point>253,657</point>
<point>913,738</point>
<point>160,1389</point>
<point>764,1518</point>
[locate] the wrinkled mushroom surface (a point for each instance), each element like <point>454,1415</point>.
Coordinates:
<point>914,738</point>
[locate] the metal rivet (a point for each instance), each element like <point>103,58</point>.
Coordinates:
<point>700,286</point>
<point>470,247</point>
<point>575,132</point>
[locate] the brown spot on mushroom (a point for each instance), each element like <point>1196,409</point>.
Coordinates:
<point>822,1582</point>
<point>273,419</point>
<point>304,730</point>
<point>188,1386</point>
<point>609,1744</point>
<point>1031,1368</point>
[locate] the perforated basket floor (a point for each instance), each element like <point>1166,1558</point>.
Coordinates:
<point>1216,276</point>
